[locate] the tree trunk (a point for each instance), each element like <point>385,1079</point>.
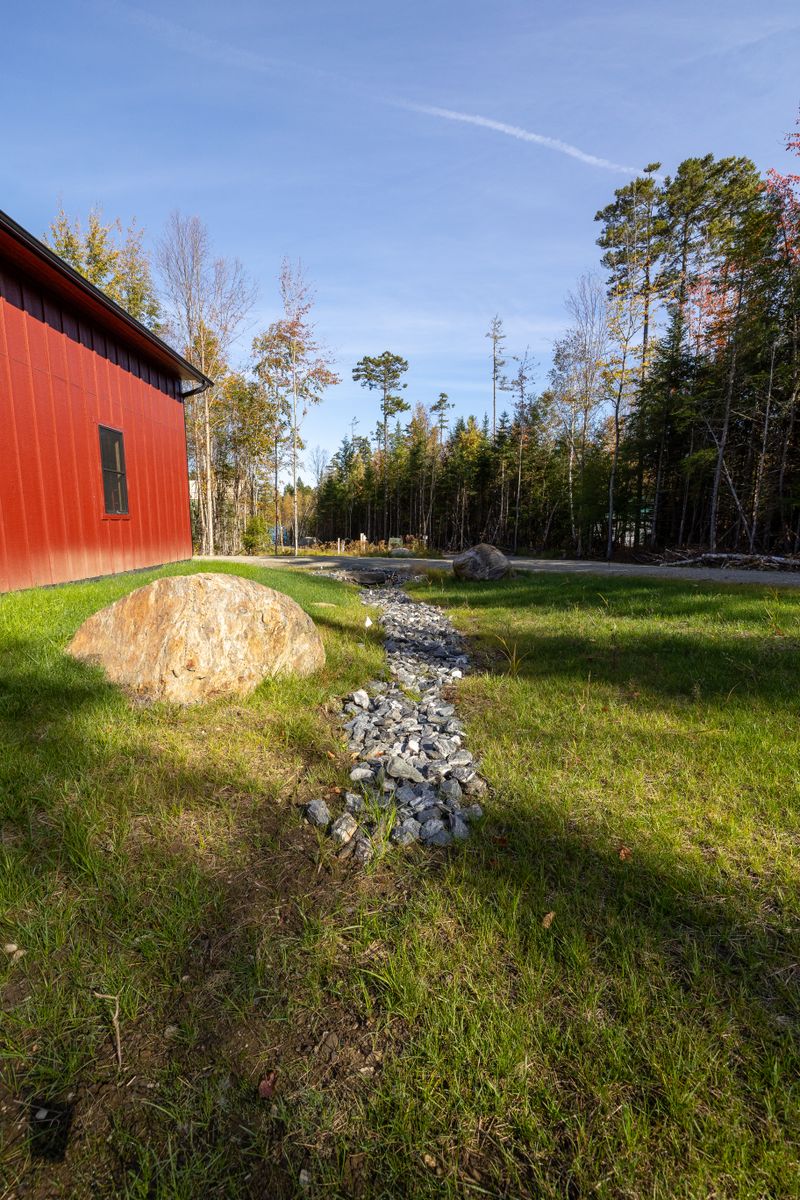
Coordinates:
<point>198,482</point>
<point>571,486</point>
<point>723,440</point>
<point>209,477</point>
<point>385,473</point>
<point>763,455</point>
<point>613,475</point>
<point>519,490</point>
<point>277,497</point>
<point>294,465</point>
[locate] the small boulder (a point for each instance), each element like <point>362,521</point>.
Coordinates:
<point>480,563</point>
<point>191,638</point>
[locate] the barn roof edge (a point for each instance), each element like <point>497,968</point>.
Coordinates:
<point>161,349</point>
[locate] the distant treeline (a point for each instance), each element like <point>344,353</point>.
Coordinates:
<point>670,415</point>
<point>669,418</point>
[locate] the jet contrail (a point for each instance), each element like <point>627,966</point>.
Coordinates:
<point>244,59</point>
<point>522,135</point>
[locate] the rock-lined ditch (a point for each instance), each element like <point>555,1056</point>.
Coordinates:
<point>414,780</point>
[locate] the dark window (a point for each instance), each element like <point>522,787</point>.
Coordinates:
<point>112,458</point>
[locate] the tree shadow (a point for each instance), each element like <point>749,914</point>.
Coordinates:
<point>703,941</point>
<point>107,894</point>
<point>620,596</point>
<point>643,957</point>
<point>668,662</point>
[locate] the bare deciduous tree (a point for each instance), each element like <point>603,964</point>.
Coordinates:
<point>577,377</point>
<point>207,300</point>
<point>497,337</point>
<point>319,464</point>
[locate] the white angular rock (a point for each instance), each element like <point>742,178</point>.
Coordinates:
<point>360,774</point>
<point>343,828</point>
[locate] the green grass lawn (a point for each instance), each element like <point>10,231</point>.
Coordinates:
<point>143,852</point>
<point>596,996</point>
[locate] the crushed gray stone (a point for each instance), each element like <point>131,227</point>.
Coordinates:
<point>318,813</point>
<point>353,803</point>
<point>411,758</point>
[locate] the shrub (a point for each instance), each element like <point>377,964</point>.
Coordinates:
<point>255,535</point>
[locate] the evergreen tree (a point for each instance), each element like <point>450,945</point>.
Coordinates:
<point>383,373</point>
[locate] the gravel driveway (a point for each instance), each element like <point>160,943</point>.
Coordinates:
<point>789,579</point>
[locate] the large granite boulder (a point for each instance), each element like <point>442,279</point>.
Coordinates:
<point>481,562</point>
<point>190,638</point>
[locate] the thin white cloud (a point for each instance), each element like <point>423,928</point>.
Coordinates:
<point>216,50</point>
<point>522,135</point>
<point>239,59</point>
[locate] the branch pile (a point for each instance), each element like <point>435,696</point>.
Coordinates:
<point>741,562</point>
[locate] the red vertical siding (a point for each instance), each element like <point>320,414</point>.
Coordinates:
<point>60,378</point>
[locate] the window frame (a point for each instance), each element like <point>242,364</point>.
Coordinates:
<point>120,475</point>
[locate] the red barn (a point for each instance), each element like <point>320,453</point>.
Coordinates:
<point>93,471</point>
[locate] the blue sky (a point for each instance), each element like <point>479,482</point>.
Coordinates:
<point>334,131</point>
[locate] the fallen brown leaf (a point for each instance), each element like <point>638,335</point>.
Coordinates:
<point>266,1089</point>
<point>547,920</point>
<point>625,854</point>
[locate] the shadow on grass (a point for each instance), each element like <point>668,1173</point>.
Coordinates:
<point>103,902</point>
<point>689,963</point>
<point>672,598</point>
<point>671,659</point>
<point>664,999</point>
<point>747,937</point>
